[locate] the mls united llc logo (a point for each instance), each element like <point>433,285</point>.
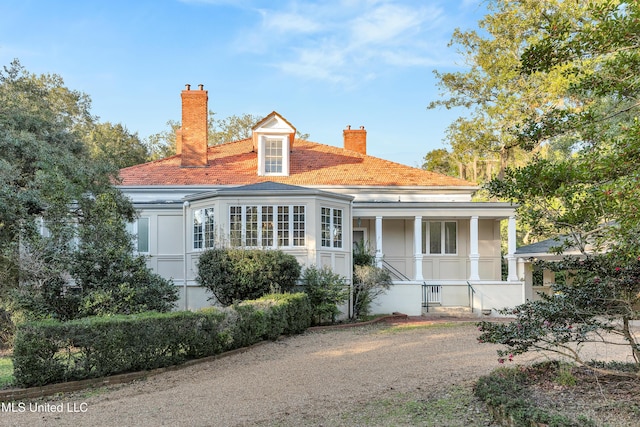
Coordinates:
<point>21,407</point>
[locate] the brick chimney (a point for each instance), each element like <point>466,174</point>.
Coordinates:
<point>192,137</point>
<point>355,139</point>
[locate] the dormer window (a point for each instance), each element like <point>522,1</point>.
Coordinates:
<point>273,156</point>
<point>273,137</point>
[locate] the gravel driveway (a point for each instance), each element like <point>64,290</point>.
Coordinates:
<point>311,379</point>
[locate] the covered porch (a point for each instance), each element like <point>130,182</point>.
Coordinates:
<point>465,271</point>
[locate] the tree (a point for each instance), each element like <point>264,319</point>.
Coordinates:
<point>45,167</point>
<point>114,144</point>
<point>232,128</point>
<point>111,278</point>
<point>441,161</point>
<point>593,197</point>
<point>499,97</point>
<point>58,207</point>
<point>596,307</point>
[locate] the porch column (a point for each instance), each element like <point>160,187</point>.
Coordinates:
<point>512,275</point>
<point>417,244</point>
<point>379,242</point>
<point>474,254</point>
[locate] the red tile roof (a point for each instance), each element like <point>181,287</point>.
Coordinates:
<point>235,163</point>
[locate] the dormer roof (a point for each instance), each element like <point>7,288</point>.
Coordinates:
<point>273,124</point>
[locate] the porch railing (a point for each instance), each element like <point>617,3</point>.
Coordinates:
<point>431,294</point>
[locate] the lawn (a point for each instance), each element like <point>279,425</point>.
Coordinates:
<point>6,371</point>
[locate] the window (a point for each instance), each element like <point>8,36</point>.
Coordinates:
<point>203,229</point>
<point>298,225</point>
<point>251,225</point>
<point>267,225</point>
<point>283,225</point>
<point>331,227</point>
<point>273,156</point>
<point>235,225</point>
<point>440,237</point>
<point>255,226</point>
<point>140,232</point>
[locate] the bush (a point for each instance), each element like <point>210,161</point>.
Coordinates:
<point>369,281</point>
<point>235,275</point>
<point>269,317</point>
<point>51,351</point>
<point>296,310</point>
<point>326,290</point>
<point>7,328</point>
<point>507,394</point>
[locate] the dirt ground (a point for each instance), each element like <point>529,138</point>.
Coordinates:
<point>310,379</point>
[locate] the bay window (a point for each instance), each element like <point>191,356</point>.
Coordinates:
<point>266,226</point>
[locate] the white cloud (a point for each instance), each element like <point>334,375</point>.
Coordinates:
<point>340,41</point>
<point>386,24</point>
<point>288,22</point>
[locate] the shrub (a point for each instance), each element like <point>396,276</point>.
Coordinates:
<point>234,275</point>
<point>506,392</point>
<point>296,310</point>
<point>269,317</point>
<point>53,351</point>
<point>369,282</point>
<point>7,328</point>
<point>599,302</point>
<point>326,290</point>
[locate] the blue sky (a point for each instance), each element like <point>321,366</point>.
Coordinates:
<point>321,64</point>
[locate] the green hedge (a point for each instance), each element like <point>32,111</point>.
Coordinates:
<point>50,351</point>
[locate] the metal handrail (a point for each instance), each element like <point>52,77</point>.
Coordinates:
<point>425,296</point>
<point>470,292</point>
<point>394,271</point>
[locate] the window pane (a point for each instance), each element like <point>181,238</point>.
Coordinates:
<point>450,238</point>
<point>267,226</point>
<point>298,226</point>
<point>283,225</point>
<point>273,156</point>
<point>251,224</point>
<point>325,221</point>
<point>197,229</point>
<point>435,237</point>
<point>143,235</point>
<point>209,234</point>
<point>425,235</point>
<point>337,228</point>
<point>235,225</point>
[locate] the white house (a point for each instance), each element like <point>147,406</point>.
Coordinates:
<point>314,201</point>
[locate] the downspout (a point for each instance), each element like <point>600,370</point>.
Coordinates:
<point>185,205</point>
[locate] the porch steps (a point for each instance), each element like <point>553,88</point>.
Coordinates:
<point>438,311</point>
